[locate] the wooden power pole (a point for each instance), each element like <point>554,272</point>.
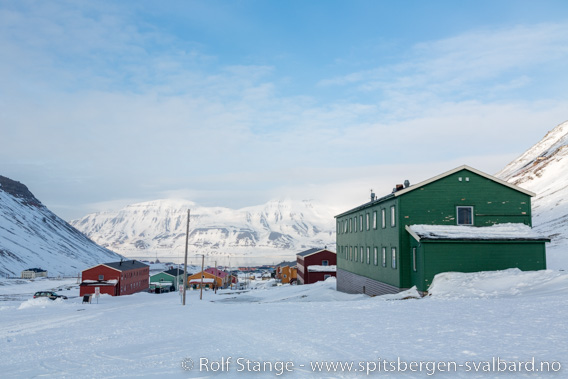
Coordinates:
<point>185,259</point>
<point>201,286</point>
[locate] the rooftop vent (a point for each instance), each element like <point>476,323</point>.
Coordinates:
<point>406,183</point>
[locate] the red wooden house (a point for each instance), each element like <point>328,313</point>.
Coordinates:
<point>315,265</point>
<point>116,278</point>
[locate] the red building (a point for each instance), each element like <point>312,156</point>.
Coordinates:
<point>116,278</point>
<point>315,265</point>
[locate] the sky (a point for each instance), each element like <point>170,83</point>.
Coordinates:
<point>235,103</point>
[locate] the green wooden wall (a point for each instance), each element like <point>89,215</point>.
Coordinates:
<point>434,203</point>
<point>434,257</point>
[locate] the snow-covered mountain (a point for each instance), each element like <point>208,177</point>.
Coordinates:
<point>265,233</point>
<point>543,169</point>
<point>31,236</point>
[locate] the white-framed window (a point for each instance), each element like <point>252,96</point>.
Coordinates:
<point>360,223</point>
<point>393,258</point>
<point>101,277</point>
<point>361,252</point>
<point>368,224</point>
<point>368,255</point>
<point>393,216</point>
<point>325,263</point>
<point>384,256</point>
<point>375,220</point>
<point>383,218</point>
<point>376,256</point>
<point>414,267</point>
<point>464,215</point>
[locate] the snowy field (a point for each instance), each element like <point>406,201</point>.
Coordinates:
<point>472,323</point>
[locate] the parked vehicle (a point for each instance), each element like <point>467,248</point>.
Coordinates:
<point>49,294</point>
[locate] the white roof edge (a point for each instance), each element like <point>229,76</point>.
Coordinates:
<point>315,252</point>
<point>480,173</point>
<point>416,237</point>
<point>102,264</point>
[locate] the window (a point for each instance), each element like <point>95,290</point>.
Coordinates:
<point>384,217</point>
<point>393,216</point>
<point>361,252</point>
<point>368,255</point>
<point>344,226</point>
<point>355,224</point>
<point>414,259</point>
<point>355,254</point>
<point>360,223</point>
<point>350,253</point>
<point>338,227</point>
<point>325,263</point>
<point>367,219</point>
<point>101,277</point>
<point>465,215</point>
<point>384,257</point>
<point>326,276</point>
<point>350,225</point>
<point>393,262</point>
<point>375,220</point>
<point>376,256</point>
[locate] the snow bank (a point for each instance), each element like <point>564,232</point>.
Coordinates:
<point>42,302</point>
<point>411,293</point>
<point>494,284</point>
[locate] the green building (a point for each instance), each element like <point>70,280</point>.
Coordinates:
<point>463,220</point>
<point>173,278</point>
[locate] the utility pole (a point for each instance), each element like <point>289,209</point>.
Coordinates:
<point>185,259</point>
<point>201,286</point>
<point>215,276</point>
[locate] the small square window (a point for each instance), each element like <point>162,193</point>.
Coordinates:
<point>325,263</point>
<point>465,215</point>
<point>101,277</point>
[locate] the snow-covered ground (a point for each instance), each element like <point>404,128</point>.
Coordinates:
<point>471,323</point>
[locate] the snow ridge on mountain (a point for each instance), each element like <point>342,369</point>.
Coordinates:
<point>32,236</point>
<point>543,169</point>
<point>158,229</point>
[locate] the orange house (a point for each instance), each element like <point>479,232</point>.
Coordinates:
<point>209,280</point>
<point>288,274</point>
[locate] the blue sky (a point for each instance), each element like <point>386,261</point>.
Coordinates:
<point>234,103</point>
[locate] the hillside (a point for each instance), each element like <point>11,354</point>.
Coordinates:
<point>543,169</point>
<point>32,236</point>
<point>259,234</point>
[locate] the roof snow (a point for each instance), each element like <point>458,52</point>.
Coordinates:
<point>317,268</point>
<point>509,232</point>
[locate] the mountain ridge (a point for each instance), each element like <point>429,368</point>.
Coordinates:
<point>277,228</point>
<point>33,236</point>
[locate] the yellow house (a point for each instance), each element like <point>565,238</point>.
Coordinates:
<point>209,280</point>
<point>288,274</point>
